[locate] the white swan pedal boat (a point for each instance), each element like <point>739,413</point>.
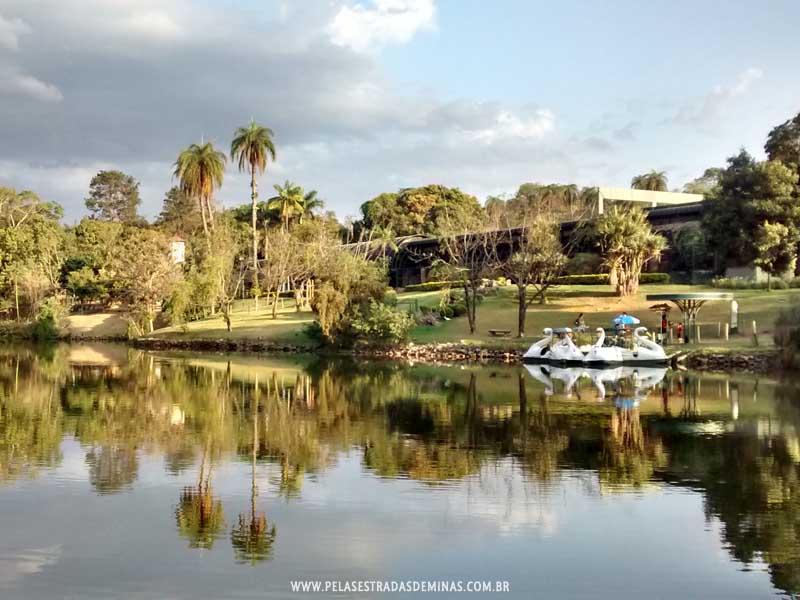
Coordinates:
<point>562,350</point>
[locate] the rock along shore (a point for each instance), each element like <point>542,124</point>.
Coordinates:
<point>760,361</point>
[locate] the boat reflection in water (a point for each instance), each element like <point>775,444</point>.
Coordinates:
<point>641,379</point>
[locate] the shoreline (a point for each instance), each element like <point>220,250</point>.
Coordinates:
<point>755,360</point>
<point>721,360</point>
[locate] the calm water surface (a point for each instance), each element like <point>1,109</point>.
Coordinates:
<point>126,474</point>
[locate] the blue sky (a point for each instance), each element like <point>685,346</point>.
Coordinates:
<point>375,95</point>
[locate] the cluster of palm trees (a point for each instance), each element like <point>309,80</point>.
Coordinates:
<point>200,169</point>
<point>654,181</point>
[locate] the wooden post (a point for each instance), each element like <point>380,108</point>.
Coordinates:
<point>719,329</point>
<point>696,334</point>
<point>755,334</point>
<point>725,332</point>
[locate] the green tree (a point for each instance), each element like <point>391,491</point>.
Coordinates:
<point>537,261</point>
<point>628,243</point>
<point>654,181</point>
<point>200,170</point>
<point>776,251</point>
<point>750,193</point>
<point>310,203</point>
<point>288,202</point>
<point>783,143</point>
<point>415,210</point>
<point>252,146</point>
<point>179,214</point>
<point>146,275</point>
<point>31,250</point>
<point>706,183</point>
<point>18,208</point>
<point>467,245</point>
<point>114,196</point>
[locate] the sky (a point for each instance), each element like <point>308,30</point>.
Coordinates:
<point>369,96</point>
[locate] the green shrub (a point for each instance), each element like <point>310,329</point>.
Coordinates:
<point>377,322</point>
<point>446,311</point>
<point>780,284</point>
<point>602,279</point>
<point>595,279</point>
<point>390,298</point>
<point>787,329</point>
<point>584,263</point>
<point>458,309</point>
<point>428,286</point>
<point>654,278</point>
<point>738,283</point>
<point>50,313</point>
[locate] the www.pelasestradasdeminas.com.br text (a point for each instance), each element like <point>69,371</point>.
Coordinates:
<point>412,586</point>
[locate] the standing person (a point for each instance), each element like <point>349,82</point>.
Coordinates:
<point>663,322</point>
<point>680,331</point>
<point>580,323</point>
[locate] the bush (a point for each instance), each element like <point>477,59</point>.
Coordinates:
<point>584,263</point>
<point>50,313</point>
<point>458,308</point>
<point>787,330</point>
<point>602,279</point>
<point>428,286</point>
<point>427,318</point>
<point>738,283</point>
<point>596,279</point>
<point>379,322</point>
<point>390,298</point>
<point>654,278</point>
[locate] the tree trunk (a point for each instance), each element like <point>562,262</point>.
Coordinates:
<point>470,302</point>
<point>253,198</point>
<point>275,305</point>
<point>210,213</point>
<point>522,309</point>
<point>16,299</point>
<point>205,223</point>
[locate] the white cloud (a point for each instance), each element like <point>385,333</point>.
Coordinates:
<point>508,125</point>
<point>385,22</point>
<point>744,81</point>
<point>21,84</point>
<point>707,114</point>
<point>10,30</point>
<point>155,23</point>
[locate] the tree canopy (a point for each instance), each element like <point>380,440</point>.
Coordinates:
<point>654,181</point>
<point>415,210</point>
<point>749,194</point>
<point>114,196</point>
<point>783,142</point>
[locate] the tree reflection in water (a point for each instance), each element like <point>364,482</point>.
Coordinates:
<point>431,425</point>
<point>199,515</point>
<point>252,539</point>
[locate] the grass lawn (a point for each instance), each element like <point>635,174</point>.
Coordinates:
<point>287,328</point>
<point>600,305</point>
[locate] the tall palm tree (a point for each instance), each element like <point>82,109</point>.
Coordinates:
<point>654,181</point>
<point>310,204</point>
<point>252,146</point>
<point>288,202</point>
<point>200,170</point>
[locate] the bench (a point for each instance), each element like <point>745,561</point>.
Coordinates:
<point>500,332</point>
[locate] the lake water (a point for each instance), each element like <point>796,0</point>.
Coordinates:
<point>126,474</point>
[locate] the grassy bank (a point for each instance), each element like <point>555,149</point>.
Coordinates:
<point>598,303</point>
<point>600,306</point>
